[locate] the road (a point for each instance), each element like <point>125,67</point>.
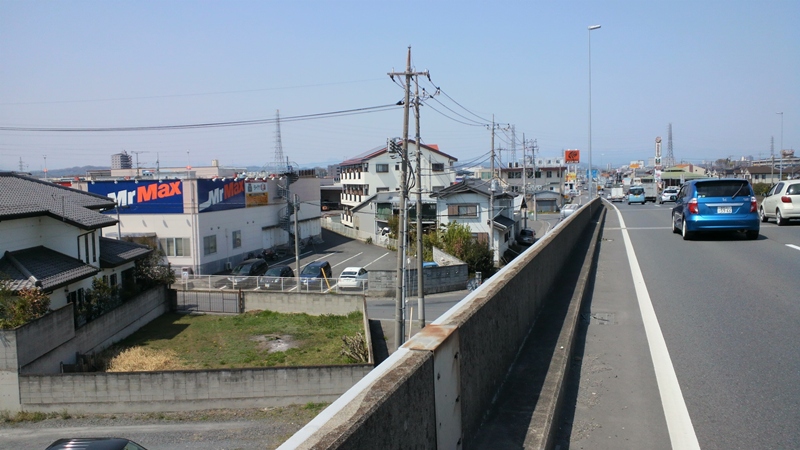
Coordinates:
<point>726,309</point>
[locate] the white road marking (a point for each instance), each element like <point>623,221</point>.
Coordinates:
<point>348,259</point>
<point>375,260</point>
<point>679,423</point>
<point>796,247</point>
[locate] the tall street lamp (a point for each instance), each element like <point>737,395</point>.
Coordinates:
<point>591,178</point>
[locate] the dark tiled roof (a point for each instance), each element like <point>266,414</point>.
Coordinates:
<point>369,154</point>
<point>114,253</point>
<point>22,196</point>
<point>503,222</point>
<point>477,186</point>
<point>43,267</point>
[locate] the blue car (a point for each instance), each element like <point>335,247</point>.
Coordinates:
<point>713,205</point>
<point>636,195</point>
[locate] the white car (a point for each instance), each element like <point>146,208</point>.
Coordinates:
<point>567,210</point>
<point>781,203</point>
<point>353,278</point>
<point>669,194</point>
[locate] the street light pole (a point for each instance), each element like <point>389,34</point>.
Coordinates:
<point>591,179</point>
<point>780,172</point>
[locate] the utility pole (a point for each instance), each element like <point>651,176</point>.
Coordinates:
<point>420,279</point>
<point>137,160</point>
<point>491,198</point>
<point>525,179</point>
<point>399,328</point>
<point>533,163</point>
<point>296,208</point>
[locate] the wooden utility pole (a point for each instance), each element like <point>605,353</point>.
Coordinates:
<point>420,279</point>
<point>399,328</point>
<point>491,198</point>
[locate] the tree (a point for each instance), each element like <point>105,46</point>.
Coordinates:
<point>28,305</point>
<point>456,239</point>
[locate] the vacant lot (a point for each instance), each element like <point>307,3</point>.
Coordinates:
<point>257,339</point>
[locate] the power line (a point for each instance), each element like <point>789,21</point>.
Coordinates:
<point>341,113</point>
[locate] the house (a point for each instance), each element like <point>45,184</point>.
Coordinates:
<point>51,239</point>
<point>467,203</point>
<point>379,170</point>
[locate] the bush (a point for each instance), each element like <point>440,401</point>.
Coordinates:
<point>28,305</point>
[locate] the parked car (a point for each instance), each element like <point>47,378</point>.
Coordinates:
<point>95,444</point>
<point>526,236</point>
<point>781,203</point>
<point>429,264</point>
<point>278,277</point>
<point>315,275</point>
<point>353,278</point>
<point>713,205</point>
<point>567,210</point>
<point>669,194</point>
<point>244,275</point>
<point>636,195</point>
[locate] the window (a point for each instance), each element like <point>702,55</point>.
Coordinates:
<point>236,237</point>
<point>462,210</point>
<point>514,175</point>
<point>381,168</point>
<point>210,244</point>
<point>437,167</point>
<point>382,189</point>
<point>87,249</point>
<point>436,188</point>
<point>514,188</point>
<point>549,174</point>
<point>176,246</point>
<point>397,167</point>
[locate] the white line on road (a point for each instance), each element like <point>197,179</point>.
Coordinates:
<point>376,259</point>
<point>348,259</point>
<point>796,247</point>
<point>679,423</point>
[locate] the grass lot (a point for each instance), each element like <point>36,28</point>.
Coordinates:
<point>257,339</point>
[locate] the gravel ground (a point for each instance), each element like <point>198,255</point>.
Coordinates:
<point>198,430</point>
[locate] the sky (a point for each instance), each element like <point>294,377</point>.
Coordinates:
<point>76,76</point>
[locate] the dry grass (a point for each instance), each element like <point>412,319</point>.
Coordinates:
<point>136,359</point>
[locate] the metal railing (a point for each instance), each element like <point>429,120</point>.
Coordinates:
<point>266,284</point>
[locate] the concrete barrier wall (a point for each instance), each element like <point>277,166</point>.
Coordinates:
<point>472,345</point>
<point>186,390</point>
<point>99,333</point>
<point>437,279</point>
<point>301,302</point>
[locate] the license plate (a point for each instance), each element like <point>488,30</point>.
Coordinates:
<point>724,209</point>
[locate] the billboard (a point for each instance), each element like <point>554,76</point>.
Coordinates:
<point>142,197</point>
<point>572,156</point>
<point>218,195</point>
<point>257,193</point>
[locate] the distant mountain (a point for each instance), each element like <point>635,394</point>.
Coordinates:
<point>69,172</point>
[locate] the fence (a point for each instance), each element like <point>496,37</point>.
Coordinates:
<point>226,283</point>
<point>209,301</point>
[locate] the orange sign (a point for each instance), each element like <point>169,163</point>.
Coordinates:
<point>572,156</point>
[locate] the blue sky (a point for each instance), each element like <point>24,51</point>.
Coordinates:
<point>718,71</point>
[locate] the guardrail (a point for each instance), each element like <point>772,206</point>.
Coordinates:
<point>274,284</point>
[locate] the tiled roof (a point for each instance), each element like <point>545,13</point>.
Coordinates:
<point>503,222</point>
<point>477,186</point>
<point>114,253</point>
<point>23,196</point>
<point>366,156</point>
<point>43,267</point>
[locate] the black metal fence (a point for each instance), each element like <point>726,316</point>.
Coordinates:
<point>220,301</point>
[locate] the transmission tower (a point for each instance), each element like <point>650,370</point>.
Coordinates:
<point>279,159</point>
<point>670,159</point>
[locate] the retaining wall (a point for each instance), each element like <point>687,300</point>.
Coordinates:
<point>300,302</point>
<point>471,347</point>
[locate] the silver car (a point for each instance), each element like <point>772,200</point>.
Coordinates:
<point>781,203</point>
<point>567,210</point>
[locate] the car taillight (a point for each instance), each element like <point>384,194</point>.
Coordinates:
<point>693,206</point>
<point>753,204</point>
<point>786,199</point>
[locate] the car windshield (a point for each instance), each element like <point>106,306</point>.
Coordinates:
<point>310,271</point>
<point>793,189</point>
<point>724,188</point>
<point>526,233</point>
<point>242,269</point>
<point>637,191</point>
<point>274,271</point>
<point>349,274</point>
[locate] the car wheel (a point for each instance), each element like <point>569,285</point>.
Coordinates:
<point>686,234</point>
<point>751,234</point>
<point>763,216</point>
<point>779,218</point>
<point>674,228</point>
<point>629,203</point>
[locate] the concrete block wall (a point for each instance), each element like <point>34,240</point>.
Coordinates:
<point>186,390</point>
<point>300,302</point>
<point>437,279</point>
<point>101,332</point>
<point>491,323</point>
<point>44,334</point>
